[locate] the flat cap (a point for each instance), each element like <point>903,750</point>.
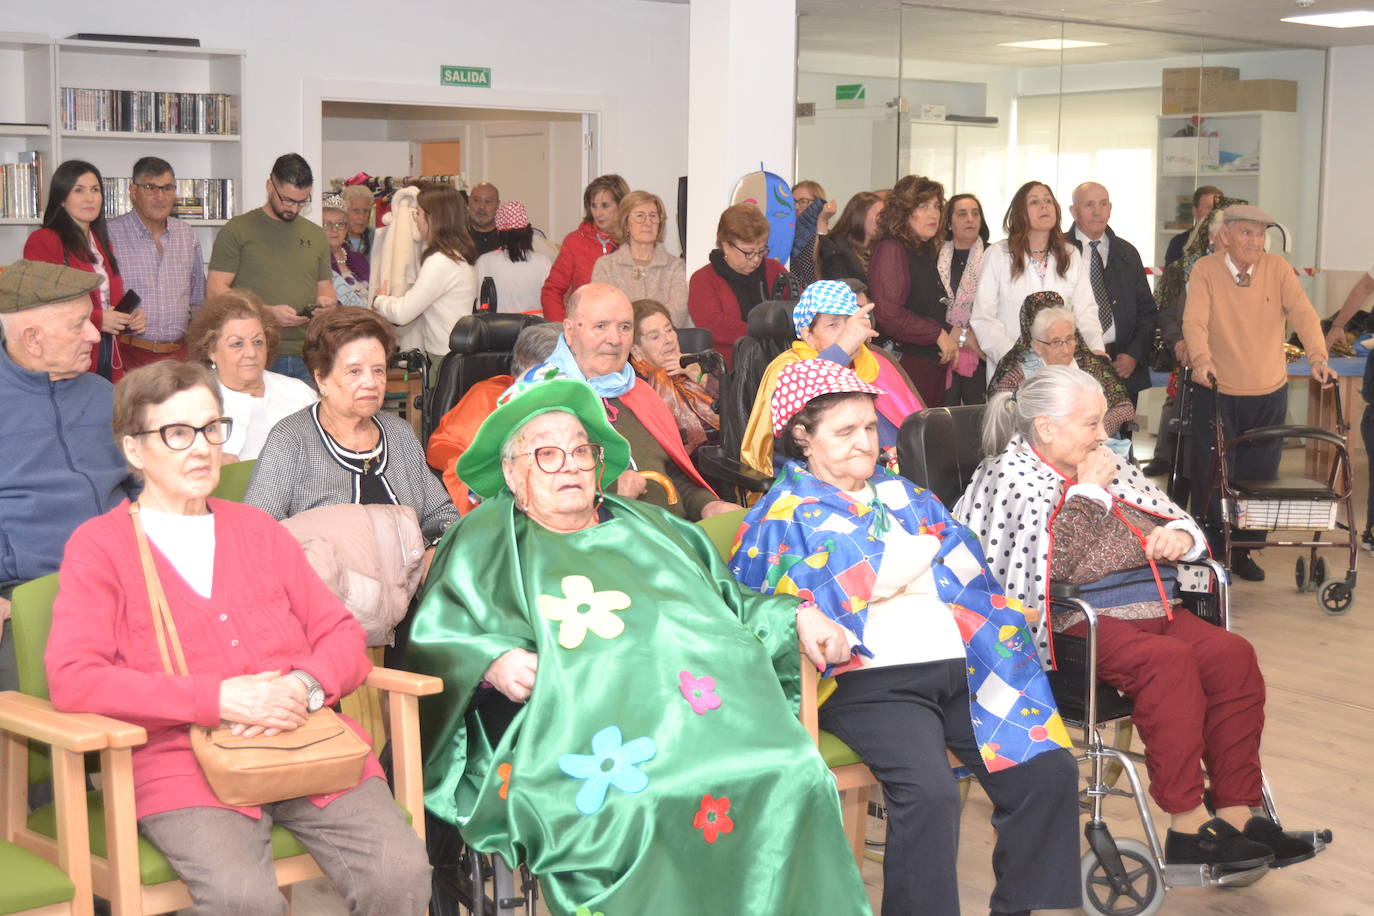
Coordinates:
<point>30,284</point>
<point>1247,212</point>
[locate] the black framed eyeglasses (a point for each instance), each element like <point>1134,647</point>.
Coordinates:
<point>179,436</point>
<point>291,201</point>
<point>758,254</point>
<point>330,224</point>
<point>156,188</point>
<point>1058,342</point>
<point>551,459</point>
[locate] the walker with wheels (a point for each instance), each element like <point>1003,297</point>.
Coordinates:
<point>1252,511</point>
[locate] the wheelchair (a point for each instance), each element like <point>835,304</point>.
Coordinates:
<point>1120,877</point>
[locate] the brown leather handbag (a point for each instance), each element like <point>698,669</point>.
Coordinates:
<point>320,757</point>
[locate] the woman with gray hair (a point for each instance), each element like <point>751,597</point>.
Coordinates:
<point>1050,337</point>
<point>1086,517</point>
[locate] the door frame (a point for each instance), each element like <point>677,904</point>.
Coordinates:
<point>600,121</point>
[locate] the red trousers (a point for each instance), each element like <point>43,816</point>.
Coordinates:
<point>134,357</point>
<point>1199,699</point>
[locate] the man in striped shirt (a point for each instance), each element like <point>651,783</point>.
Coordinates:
<point>160,259</point>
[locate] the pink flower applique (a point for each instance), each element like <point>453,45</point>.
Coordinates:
<point>700,692</point>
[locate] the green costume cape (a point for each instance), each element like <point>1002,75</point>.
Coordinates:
<point>658,767</point>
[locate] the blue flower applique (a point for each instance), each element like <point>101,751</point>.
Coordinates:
<point>612,762</point>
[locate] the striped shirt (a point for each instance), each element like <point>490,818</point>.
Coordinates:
<point>170,283</point>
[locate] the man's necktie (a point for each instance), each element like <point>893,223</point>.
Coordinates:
<point>1099,282</point>
<point>1242,278</point>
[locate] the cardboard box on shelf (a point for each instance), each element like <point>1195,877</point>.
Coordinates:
<point>1230,95</point>
<point>1193,77</point>
<point>1254,95</point>
<point>1185,155</point>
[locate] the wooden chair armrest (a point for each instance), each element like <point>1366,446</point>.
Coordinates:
<point>810,717</point>
<point>73,731</point>
<point>407,682</point>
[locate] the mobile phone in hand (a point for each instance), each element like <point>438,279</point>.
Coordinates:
<point>131,301</point>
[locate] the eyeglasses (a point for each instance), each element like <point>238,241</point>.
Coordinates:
<point>552,459</point>
<point>156,188</point>
<point>179,436</point>
<point>291,201</point>
<point>803,201</point>
<point>343,224</point>
<point>757,254</point>
<point>646,217</point>
<point>1059,342</point>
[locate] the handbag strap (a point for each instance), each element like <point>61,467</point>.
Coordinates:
<point>164,627</point>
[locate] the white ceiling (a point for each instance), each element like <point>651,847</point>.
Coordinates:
<point>944,30</point>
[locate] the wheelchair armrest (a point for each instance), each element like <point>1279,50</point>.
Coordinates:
<point>1064,590</point>
<point>714,463</point>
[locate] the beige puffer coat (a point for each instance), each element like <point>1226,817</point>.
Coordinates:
<point>369,556</point>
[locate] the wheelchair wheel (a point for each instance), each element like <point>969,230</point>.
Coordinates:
<point>1319,571</point>
<point>1146,890</point>
<point>1336,597</point>
<point>1300,574</point>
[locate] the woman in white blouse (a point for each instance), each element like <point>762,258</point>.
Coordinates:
<point>235,335</point>
<point>446,287</point>
<point>1035,256</point>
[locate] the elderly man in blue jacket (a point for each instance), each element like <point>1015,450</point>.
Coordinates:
<point>58,462</point>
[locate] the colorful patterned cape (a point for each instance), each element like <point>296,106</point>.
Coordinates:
<point>1017,484</point>
<point>808,538</point>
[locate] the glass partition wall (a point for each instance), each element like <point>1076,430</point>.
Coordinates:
<point>983,102</point>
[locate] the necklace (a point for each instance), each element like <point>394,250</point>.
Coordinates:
<point>1039,251</point>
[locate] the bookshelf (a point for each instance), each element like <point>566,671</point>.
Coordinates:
<point>1256,160</point>
<point>36,68</point>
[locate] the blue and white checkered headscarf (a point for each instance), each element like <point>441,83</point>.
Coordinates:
<point>824,297</point>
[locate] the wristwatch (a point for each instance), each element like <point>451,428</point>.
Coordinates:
<point>963,336</point>
<point>315,698</point>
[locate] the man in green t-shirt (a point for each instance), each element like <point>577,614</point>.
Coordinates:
<point>284,260</point>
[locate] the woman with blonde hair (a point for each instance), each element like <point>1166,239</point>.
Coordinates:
<point>446,288</point>
<point>641,267</point>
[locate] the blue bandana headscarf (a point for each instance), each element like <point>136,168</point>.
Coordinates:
<point>824,297</point>
<point>606,386</point>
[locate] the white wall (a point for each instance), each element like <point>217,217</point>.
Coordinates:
<point>630,51</point>
<point>1348,195</point>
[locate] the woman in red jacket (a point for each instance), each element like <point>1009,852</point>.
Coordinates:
<point>74,234</point>
<point>739,276</point>
<point>592,238</point>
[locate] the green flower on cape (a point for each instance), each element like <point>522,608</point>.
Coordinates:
<point>582,608</point>
<point>612,762</point>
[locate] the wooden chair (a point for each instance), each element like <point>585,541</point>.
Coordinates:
<point>31,884</point>
<point>126,869</point>
<point>853,780</point>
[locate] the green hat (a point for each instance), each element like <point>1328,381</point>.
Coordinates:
<point>540,390</point>
<point>30,284</point>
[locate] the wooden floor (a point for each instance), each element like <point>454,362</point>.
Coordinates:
<point>1318,755</point>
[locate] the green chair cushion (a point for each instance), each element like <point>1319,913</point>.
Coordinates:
<point>30,882</point>
<point>233,480</point>
<point>835,752</point>
<point>153,867</point>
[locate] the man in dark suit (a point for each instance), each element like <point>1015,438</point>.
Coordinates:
<point>1204,198</point>
<point>1125,304</point>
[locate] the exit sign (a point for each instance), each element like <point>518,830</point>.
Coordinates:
<point>850,92</point>
<point>477,77</point>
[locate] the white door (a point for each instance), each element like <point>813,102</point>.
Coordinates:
<point>517,162</point>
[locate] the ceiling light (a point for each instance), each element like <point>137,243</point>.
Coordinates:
<point>1346,19</point>
<point>1052,44</point>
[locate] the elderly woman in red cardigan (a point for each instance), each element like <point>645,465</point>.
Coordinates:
<point>265,643</point>
<point>74,234</point>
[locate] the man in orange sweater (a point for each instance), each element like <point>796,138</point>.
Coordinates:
<point>1239,303</point>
